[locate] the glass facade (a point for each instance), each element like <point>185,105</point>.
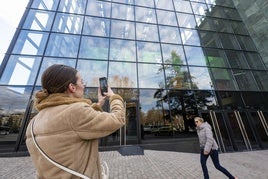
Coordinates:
<point>170,60</point>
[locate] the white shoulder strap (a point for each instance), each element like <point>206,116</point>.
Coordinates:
<point>52,161</point>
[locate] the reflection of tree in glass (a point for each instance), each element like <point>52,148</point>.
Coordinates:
<point>182,102</point>
<point>178,78</point>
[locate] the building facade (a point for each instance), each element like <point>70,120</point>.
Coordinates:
<point>171,60</point>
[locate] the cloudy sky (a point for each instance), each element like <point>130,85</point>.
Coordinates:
<point>11,12</point>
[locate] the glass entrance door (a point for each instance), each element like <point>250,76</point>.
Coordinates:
<point>220,129</point>
<point>259,123</point>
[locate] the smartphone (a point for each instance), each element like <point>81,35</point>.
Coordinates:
<point>103,85</point>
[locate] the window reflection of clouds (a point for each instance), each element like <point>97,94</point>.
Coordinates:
<point>77,7</point>
<point>149,52</point>
<point>94,47</point>
<point>122,29</point>
<point>92,70</point>
<point>169,34</point>
<point>121,11</point>
<point>186,20</point>
<point>145,15</point>
<point>63,45</point>
<point>120,75</point>
<point>98,8</point>
<point>168,48</point>
<point>190,37</point>
<point>150,77</point>
<point>195,55</point>
<point>164,4</point>
<point>68,23</point>
<point>182,6</point>
<point>96,26</point>
<point>147,32</point>
<point>122,50</point>
<point>146,3</point>
<point>199,8</point>
<point>166,18</point>
<point>200,77</point>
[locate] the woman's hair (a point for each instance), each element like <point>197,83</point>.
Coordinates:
<point>56,78</point>
<point>199,119</point>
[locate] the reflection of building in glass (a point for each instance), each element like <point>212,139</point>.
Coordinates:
<point>170,60</point>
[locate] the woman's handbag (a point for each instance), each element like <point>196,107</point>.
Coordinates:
<point>104,166</point>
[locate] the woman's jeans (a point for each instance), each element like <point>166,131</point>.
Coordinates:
<point>215,159</point>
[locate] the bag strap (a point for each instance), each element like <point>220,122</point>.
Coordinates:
<point>52,161</point>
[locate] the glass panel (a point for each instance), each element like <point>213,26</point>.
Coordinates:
<point>68,23</point>
<point>45,4</point>
<point>121,11</point>
<point>245,80</point>
<point>13,105</point>
<point>210,39</point>
<point>236,59</point>
<point>147,32</point>
<point>146,3</point>
<point>229,41</point>
<point>205,23</point>
<point>186,20</point>
<point>182,6</point>
<point>200,78</point>
<point>249,98</point>
<point>121,77</point>
<point>166,18</point>
<point>195,56</point>
<point>153,108</point>
<point>92,70</point>
<point>173,54</point>
<point>246,43</point>
<point>230,100</point>
<point>262,79</point>
<point>122,50</point>
<point>77,7</point>
<point>223,79</point>
<point>149,52</point>
<point>177,77</point>
<point>239,28</point>
<point>254,60</point>
<point>94,48</point>
<point>98,8</point>
<point>145,15</point>
<point>216,11</point>
<point>169,34</point>
<point>164,4</point>
<point>205,100</point>
<point>216,58</point>
<point>223,3</point>
<point>29,42</point>
<point>124,1</point>
<point>39,20</point>
<point>122,29</point>
<point>222,25</point>
<point>96,26</point>
<point>199,9</point>
<point>63,45</point>
<point>232,14</point>
<point>190,37</point>
<point>20,70</point>
<point>150,76</point>
<point>50,61</point>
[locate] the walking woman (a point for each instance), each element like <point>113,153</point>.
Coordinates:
<point>68,127</point>
<point>208,147</point>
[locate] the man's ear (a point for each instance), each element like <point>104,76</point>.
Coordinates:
<point>71,88</point>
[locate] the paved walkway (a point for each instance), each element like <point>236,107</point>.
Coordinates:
<point>158,165</point>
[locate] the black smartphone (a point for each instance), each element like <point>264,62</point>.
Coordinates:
<point>103,85</point>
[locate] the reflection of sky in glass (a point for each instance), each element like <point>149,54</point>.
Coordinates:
<point>149,77</point>
<point>195,56</point>
<point>200,77</point>
<point>120,74</point>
